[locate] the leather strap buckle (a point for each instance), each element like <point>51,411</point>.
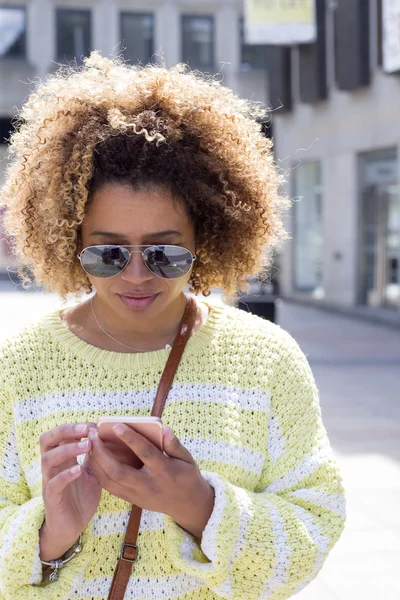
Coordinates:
<point>128,558</point>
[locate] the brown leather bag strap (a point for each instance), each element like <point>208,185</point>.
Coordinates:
<point>129,549</point>
<point>186,327</point>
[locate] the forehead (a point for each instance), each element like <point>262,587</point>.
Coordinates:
<point>116,207</point>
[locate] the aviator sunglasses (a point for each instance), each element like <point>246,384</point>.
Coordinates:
<point>166,261</point>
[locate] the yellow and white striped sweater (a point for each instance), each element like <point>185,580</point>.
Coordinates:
<point>245,404</point>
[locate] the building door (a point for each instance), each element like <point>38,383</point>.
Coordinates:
<point>380,236</point>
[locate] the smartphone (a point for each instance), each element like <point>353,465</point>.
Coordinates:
<point>150,427</point>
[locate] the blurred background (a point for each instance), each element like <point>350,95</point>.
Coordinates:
<point>330,71</point>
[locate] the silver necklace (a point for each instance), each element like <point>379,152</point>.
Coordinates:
<point>120,343</point>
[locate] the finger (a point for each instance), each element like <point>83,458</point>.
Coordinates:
<point>148,453</point>
<point>55,458</point>
<point>58,483</point>
<point>95,469</point>
<point>173,447</point>
<point>78,436</point>
<point>112,468</point>
<point>62,433</point>
<point>115,488</point>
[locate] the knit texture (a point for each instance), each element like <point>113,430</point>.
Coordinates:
<point>245,404</point>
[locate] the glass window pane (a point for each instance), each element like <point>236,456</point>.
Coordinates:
<point>308,238</point>
<point>5,131</point>
<point>380,230</point>
<point>73,34</point>
<point>198,41</point>
<point>12,32</point>
<point>252,55</point>
<point>137,35</point>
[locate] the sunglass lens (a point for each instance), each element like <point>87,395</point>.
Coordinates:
<point>104,261</point>
<point>169,262</point>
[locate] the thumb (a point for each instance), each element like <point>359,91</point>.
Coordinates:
<point>174,448</point>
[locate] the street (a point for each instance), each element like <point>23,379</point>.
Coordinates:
<point>357,369</point>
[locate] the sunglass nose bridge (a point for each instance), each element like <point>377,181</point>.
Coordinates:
<point>132,252</point>
<point>140,264</point>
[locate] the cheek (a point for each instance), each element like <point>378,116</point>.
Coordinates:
<point>107,287</point>
<point>173,287</point>
<point>100,286</point>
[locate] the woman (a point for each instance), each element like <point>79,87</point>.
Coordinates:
<point>132,183</point>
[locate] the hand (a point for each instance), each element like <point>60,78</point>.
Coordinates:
<point>172,485</point>
<point>71,493</point>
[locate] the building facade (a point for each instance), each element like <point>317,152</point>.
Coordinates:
<point>35,35</point>
<point>336,124</point>
<point>337,138</point>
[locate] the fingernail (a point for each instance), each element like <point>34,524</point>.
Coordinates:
<point>92,434</point>
<point>80,428</point>
<point>119,429</point>
<point>83,445</point>
<point>168,432</point>
<point>75,469</point>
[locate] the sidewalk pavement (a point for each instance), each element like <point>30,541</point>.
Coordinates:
<point>357,369</point>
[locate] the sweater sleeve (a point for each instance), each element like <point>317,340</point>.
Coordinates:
<point>21,517</point>
<point>270,543</point>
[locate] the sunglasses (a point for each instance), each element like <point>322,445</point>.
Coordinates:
<point>168,262</point>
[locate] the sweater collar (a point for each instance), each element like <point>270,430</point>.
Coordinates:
<point>72,344</point>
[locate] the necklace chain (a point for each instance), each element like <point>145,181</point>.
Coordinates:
<point>120,343</point>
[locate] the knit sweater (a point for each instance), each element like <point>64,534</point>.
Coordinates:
<point>244,403</point>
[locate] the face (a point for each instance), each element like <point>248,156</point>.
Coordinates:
<point>119,215</point>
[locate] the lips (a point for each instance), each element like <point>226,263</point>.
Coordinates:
<point>137,294</point>
<point>136,301</point>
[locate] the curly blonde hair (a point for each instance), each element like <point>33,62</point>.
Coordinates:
<point>110,122</point>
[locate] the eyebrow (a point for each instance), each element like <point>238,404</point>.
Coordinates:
<point>154,234</point>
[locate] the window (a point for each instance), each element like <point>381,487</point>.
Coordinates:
<point>352,52</point>
<point>379,34</point>
<point>198,41</point>
<point>73,34</point>
<point>312,62</point>
<point>137,37</point>
<point>390,38</point>
<point>279,65</point>
<point>5,129</point>
<point>380,230</point>
<point>251,56</point>
<point>12,32</point>
<point>308,240</point>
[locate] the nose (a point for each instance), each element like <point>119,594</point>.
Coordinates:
<point>136,271</point>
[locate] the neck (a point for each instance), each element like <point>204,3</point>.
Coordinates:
<point>139,332</point>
